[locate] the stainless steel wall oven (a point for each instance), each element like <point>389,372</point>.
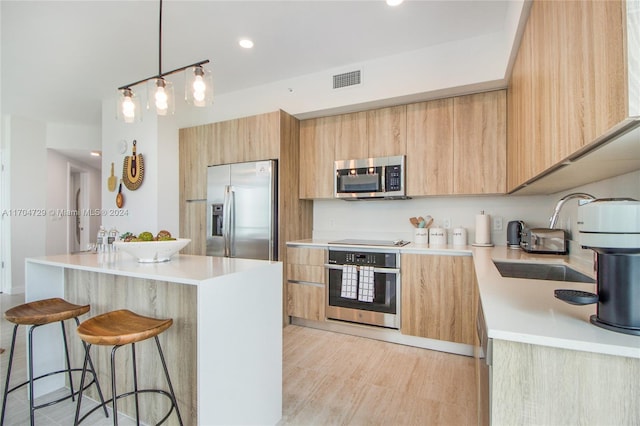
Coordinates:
<point>364,286</point>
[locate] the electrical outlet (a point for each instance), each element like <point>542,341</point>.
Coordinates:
<point>446,223</point>
<point>497,223</point>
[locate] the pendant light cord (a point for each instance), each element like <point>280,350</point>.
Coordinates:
<point>160,74</point>
<point>160,42</point>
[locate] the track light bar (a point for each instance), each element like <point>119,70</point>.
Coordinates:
<point>164,74</point>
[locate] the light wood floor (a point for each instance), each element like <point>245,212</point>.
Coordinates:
<point>337,379</point>
<point>328,379</point>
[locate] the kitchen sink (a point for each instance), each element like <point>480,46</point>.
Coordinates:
<point>541,271</point>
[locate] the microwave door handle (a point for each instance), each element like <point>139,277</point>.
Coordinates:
<point>383,183</point>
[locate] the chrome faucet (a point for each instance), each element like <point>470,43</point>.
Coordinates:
<point>556,212</point>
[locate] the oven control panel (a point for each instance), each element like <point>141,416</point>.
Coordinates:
<point>379,259</point>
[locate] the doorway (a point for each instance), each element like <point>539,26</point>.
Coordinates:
<point>78,221</point>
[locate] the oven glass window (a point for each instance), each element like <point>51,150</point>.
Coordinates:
<point>384,300</point>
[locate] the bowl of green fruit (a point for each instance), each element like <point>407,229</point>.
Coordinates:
<point>149,248</point>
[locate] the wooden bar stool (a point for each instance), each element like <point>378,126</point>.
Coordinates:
<point>35,314</point>
<point>119,328</point>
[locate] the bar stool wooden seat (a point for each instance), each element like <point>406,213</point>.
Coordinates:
<point>119,328</point>
<point>33,315</point>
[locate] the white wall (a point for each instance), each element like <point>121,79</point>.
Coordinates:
<point>28,175</point>
<point>142,206</point>
<point>386,219</point>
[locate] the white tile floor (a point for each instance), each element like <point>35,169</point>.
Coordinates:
<point>17,411</point>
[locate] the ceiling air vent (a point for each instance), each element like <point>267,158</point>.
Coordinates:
<point>351,78</point>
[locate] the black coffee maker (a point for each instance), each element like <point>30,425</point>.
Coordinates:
<point>611,228</point>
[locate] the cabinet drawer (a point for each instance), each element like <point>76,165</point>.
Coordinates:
<point>306,256</point>
<point>306,273</point>
<point>306,301</point>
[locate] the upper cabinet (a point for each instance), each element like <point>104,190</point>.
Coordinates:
<point>245,139</point>
<point>457,145</point>
<point>317,154</point>
<point>479,141</point>
<point>570,84</point>
<point>386,132</point>
<point>430,144</point>
<point>349,134</point>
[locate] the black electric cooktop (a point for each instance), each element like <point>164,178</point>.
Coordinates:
<point>383,243</point>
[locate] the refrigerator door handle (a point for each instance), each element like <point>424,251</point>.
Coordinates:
<point>226,220</point>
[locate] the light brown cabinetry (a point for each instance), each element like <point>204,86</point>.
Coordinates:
<point>439,297</point>
<point>191,149</point>
<point>317,146</point>
<point>375,133</point>
<point>457,145</point>
<point>349,132</point>
<point>479,141</point>
<point>386,132</point>
<point>430,146</point>
<point>568,85</point>
<point>306,291</point>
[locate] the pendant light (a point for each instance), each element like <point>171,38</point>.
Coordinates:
<point>198,88</point>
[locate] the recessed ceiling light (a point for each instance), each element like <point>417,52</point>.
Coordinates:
<point>394,2</point>
<point>246,43</point>
<point>96,153</point>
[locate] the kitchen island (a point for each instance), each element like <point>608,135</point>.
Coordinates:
<point>224,350</point>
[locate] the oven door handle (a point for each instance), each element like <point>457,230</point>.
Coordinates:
<point>375,270</point>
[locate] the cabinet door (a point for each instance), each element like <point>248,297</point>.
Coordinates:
<point>316,158</point>
<point>387,131</point>
<point>192,152</point>
<point>439,297</point>
<point>568,84</point>
<point>479,140</point>
<point>226,145</point>
<point>349,133</point>
<point>193,225</point>
<point>430,144</point>
<point>262,137</point>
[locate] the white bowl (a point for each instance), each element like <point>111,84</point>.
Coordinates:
<point>152,251</point>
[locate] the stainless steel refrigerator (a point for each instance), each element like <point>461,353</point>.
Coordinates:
<point>242,210</point>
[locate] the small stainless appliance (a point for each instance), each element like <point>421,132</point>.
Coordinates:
<point>370,178</point>
<point>377,271</point>
<point>242,210</point>
<point>514,232</point>
<point>543,240</point>
<point>611,228</point>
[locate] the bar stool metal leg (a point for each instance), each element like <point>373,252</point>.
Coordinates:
<point>6,385</point>
<point>166,374</point>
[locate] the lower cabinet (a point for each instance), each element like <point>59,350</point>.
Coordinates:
<point>439,297</point>
<point>306,288</point>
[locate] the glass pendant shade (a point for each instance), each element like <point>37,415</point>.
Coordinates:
<point>128,106</point>
<point>199,86</point>
<point>161,98</point>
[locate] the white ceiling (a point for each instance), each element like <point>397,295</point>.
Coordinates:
<point>60,59</point>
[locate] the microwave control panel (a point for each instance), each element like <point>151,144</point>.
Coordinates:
<point>394,178</point>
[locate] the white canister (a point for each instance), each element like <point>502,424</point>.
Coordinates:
<point>437,236</point>
<point>459,237</point>
<point>421,236</point>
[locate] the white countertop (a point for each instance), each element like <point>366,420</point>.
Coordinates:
<point>182,268</point>
<point>525,310</point>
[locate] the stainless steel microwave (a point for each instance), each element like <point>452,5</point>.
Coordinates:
<point>381,177</point>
